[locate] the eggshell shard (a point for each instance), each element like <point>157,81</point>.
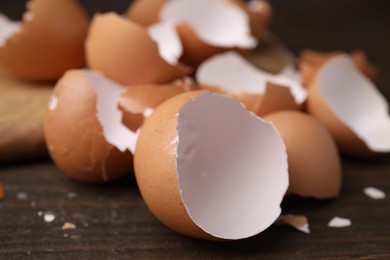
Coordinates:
<point>313,160</point>
<point>129,54</point>
<point>227,27</point>
<point>83,129</point>
<point>210,176</point>
<point>298,222</point>
<point>351,107</point>
<point>311,61</point>
<point>338,222</point>
<point>49,41</point>
<point>147,12</point>
<point>233,74</point>
<point>136,100</point>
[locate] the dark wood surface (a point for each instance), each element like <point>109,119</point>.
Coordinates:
<point>113,222</point>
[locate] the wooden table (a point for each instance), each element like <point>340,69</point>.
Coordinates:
<point>114,223</point>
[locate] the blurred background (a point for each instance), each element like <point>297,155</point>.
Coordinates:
<point>323,25</point>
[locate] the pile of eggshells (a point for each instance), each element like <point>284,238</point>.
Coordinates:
<point>215,142</point>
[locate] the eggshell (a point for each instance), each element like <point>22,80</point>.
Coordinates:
<point>137,99</point>
<point>49,41</point>
<point>351,107</point>
<point>82,128</point>
<point>201,181</point>
<point>227,27</point>
<point>235,74</point>
<point>147,12</point>
<point>127,54</point>
<point>311,61</point>
<point>313,159</point>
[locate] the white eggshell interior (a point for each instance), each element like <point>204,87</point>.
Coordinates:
<point>232,72</point>
<point>7,28</point>
<point>109,115</point>
<point>215,22</point>
<point>356,101</point>
<point>232,170</point>
<point>168,41</point>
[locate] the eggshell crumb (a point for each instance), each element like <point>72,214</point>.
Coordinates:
<point>2,191</point>
<point>49,217</point>
<point>338,222</point>
<point>68,225</point>
<point>374,193</point>
<point>298,222</point>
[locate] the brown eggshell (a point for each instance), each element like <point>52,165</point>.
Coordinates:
<point>276,98</point>
<point>74,135</point>
<point>313,159</point>
<point>195,51</point>
<point>127,54</point>
<point>136,99</point>
<point>145,12</point>
<point>311,61</point>
<point>348,142</point>
<point>161,191</point>
<point>49,42</point>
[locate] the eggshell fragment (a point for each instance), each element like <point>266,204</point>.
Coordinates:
<point>49,41</point>
<point>233,74</point>
<point>138,99</point>
<point>313,160</point>
<point>374,193</point>
<point>207,27</point>
<point>351,107</point>
<point>2,191</point>
<point>298,222</point>
<point>83,129</point>
<point>147,12</point>
<point>128,54</point>
<point>207,175</point>
<point>311,61</point>
<point>338,222</point>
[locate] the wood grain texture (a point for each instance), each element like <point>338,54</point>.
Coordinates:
<point>22,108</point>
<point>114,223</point>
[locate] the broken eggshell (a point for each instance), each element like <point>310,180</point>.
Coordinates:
<point>227,27</point>
<point>147,12</point>
<point>351,107</point>
<point>311,61</point>
<point>49,40</point>
<point>209,176</point>
<point>260,91</point>
<point>83,130</point>
<point>314,165</point>
<point>131,54</point>
<point>135,101</point>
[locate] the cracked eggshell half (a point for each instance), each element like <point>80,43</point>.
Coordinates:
<point>260,91</point>
<point>49,40</point>
<point>208,27</point>
<point>311,61</point>
<point>131,54</point>
<point>209,176</point>
<point>314,164</point>
<point>136,100</point>
<point>147,12</point>
<point>83,130</point>
<point>351,107</point>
